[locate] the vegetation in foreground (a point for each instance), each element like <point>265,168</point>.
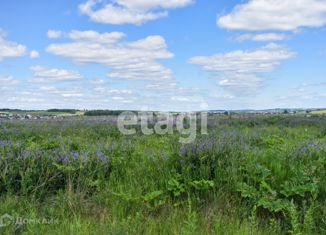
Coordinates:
<point>249,175</point>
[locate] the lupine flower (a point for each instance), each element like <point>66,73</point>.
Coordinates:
<point>4,143</point>
<point>65,161</point>
<point>99,153</point>
<point>75,155</point>
<point>105,159</point>
<point>57,159</point>
<point>102,156</point>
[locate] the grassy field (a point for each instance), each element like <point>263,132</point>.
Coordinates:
<point>44,113</point>
<point>322,111</point>
<point>250,175</point>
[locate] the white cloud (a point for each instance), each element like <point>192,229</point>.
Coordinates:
<point>117,98</point>
<point>172,88</point>
<point>44,74</point>
<point>34,54</point>
<point>54,34</point>
<point>97,82</point>
<point>93,36</point>
<point>25,100</point>
<point>7,81</point>
<point>180,98</point>
<point>66,93</point>
<point>100,90</point>
<point>162,86</point>
<point>124,96</point>
<point>135,60</point>
<point>10,49</point>
<point>104,90</point>
<point>319,84</point>
<point>283,15</point>
<point>261,37</point>
<point>241,71</point>
<point>129,11</point>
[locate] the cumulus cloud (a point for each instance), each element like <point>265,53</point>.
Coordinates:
<point>7,81</point>
<point>172,88</point>
<point>44,74</point>
<point>136,60</point>
<point>105,90</point>
<point>319,84</point>
<point>129,11</point>
<point>181,98</point>
<point>162,86</point>
<point>97,82</point>
<point>283,15</point>
<point>261,37</point>
<point>93,36</point>
<point>117,95</point>
<point>66,93</point>
<point>54,34</point>
<point>10,49</point>
<point>240,71</point>
<point>8,85</point>
<point>34,54</point>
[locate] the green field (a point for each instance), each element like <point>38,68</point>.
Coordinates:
<point>250,175</point>
<point>43,113</point>
<point>322,111</point>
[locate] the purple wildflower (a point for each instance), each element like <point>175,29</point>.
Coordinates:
<point>75,155</point>
<point>99,153</point>
<point>4,143</point>
<point>57,159</point>
<point>65,160</point>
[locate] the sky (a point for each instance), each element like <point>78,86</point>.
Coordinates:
<point>166,55</point>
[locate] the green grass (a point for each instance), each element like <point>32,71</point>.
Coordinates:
<point>323,111</point>
<point>249,175</point>
<point>45,113</point>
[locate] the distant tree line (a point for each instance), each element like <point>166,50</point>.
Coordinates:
<point>103,112</point>
<point>10,110</point>
<point>72,111</point>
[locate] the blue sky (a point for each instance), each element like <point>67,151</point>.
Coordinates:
<point>162,54</point>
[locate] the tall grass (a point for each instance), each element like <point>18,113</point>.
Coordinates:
<point>249,175</point>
